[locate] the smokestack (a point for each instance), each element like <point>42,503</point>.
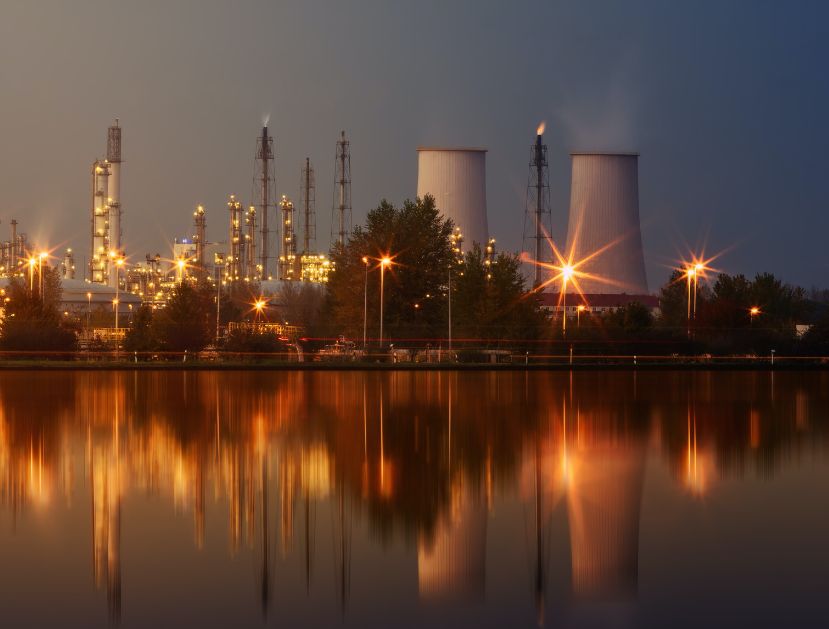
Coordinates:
<point>264,158</point>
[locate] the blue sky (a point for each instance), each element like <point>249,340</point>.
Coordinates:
<point>725,100</point>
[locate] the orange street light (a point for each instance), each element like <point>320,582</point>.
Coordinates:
<point>384,262</point>
<point>365,302</point>
<point>579,309</point>
<point>566,274</point>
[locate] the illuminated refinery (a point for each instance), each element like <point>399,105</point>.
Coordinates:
<point>270,242</point>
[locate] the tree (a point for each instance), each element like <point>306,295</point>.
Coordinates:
<point>491,301</point>
<point>187,322</point>
<point>301,303</point>
<point>142,335</point>
<point>416,237</point>
<point>32,322</point>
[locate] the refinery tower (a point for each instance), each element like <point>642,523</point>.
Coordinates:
<point>604,216</point>
<point>106,243</point>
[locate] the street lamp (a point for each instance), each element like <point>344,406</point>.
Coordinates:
<point>384,262</point>
<point>579,310</point>
<point>32,262</point>
<point>119,262</point>
<point>259,305</point>
<point>40,259</point>
<point>698,269</point>
<point>365,303</point>
<point>753,312</point>
<point>88,310</point>
<point>181,263</point>
<point>566,274</point>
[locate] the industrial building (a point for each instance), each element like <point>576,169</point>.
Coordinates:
<point>456,178</point>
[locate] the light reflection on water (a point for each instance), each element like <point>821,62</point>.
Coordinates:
<point>477,498</point>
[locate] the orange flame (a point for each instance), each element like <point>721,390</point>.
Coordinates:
<point>540,131</point>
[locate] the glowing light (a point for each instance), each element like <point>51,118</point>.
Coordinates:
<point>385,261</point>
<point>541,127</point>
<point>365,260</point>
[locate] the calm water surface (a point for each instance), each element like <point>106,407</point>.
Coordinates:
<point>408,499</point>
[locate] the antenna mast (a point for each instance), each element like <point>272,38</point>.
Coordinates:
<point>307,199</point>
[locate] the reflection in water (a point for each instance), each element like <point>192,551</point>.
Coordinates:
<point>418,458</point>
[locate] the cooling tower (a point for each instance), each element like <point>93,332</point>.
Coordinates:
<point>604,213</point>
<point>603,508</point>
<point>457,180</point>
<point>452,566</point>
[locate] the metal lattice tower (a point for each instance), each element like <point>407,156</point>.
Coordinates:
<point>266,182</point>
<point>537,214</point>
<point>341,214</point>
<point>307,199</point>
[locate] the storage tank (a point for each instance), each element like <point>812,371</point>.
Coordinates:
<point>456,177</point>
<point>604,212</point>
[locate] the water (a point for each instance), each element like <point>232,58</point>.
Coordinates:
<point>234,499</point>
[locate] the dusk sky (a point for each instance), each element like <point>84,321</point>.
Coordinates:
<point>726,101</point>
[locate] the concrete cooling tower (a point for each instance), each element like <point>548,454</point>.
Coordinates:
<point>457,180</point>
<point>452,566</point>
<point>604,212</point>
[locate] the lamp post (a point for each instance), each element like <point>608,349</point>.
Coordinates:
<point>450,308</point>
<point>384,262</point>
<point>181,263</point>
<point>698,269</point>
<point>579,310</point>
<point>40,259</point>
<point>31,274</point>
<point>753,312</point>
<point>365,303</point>
<point>566,274</point>
<point>119,262</point>
<point>260,306</point>
<point>88,310</point>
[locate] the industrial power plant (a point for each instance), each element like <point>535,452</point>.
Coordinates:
<point>270,240</point>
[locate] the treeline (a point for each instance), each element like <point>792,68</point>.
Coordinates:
<point>491,306</point>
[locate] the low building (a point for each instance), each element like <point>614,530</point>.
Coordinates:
<point>595,302</point>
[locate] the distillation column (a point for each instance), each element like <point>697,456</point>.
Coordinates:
<point>114,192</point>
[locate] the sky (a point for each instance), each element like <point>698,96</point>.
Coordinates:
<point>725,101</point>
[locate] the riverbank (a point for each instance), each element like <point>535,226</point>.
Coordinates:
<point>782,364</point>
